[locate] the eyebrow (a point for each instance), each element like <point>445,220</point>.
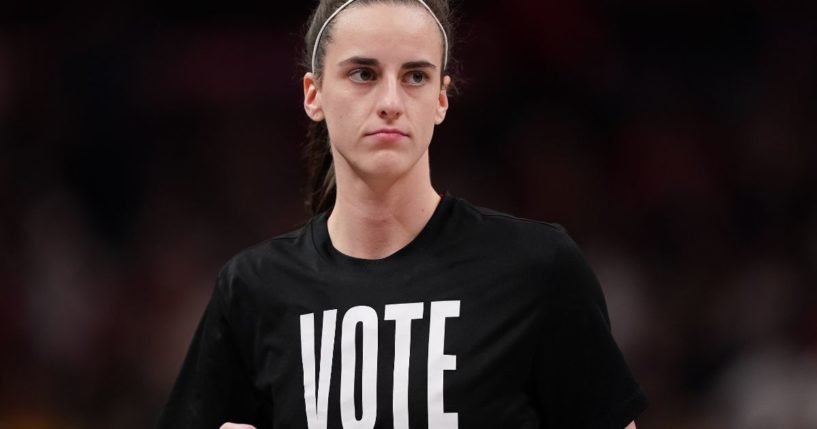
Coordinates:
<point>365,61</point>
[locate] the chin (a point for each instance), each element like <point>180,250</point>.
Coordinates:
<point>386,166</point>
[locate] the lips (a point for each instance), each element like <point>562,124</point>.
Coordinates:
<point>388,132</point>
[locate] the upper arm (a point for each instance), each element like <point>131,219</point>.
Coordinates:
<point>578,370</point>
<point>214,385</point>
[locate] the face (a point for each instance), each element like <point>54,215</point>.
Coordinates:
<point>381,92</point>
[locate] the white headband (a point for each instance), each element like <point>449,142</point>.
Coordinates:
<point>343,6</point>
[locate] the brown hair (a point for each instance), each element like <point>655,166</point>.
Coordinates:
<point>321,189</point>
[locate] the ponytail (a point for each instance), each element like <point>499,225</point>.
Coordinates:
<point>321,183</point>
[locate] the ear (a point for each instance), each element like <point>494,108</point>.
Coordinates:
<point>442,106</point>
<point>312,98</point>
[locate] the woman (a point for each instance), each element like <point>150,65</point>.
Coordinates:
<point>398,306</point>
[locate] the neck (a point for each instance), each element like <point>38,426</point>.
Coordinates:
<point>374,220</point>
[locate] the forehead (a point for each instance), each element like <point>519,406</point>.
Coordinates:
<point>385,30</point>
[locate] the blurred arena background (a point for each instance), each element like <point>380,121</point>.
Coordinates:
<point>143,143</point>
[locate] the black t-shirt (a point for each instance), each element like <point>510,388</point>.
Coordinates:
<point>484,320</point>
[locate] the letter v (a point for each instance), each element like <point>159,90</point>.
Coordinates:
<point>316,406</point>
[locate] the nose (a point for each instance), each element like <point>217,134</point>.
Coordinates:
<point>390,103</point>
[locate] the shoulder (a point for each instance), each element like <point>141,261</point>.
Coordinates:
<point>506,220</point>
<point>270,248</point>
<point>547,246</point>
<point>257,263</point>
<point>508,230</point>
<point>539,250</point>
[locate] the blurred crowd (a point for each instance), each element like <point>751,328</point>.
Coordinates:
<point>141,145</point>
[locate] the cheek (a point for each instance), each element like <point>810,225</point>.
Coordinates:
<point>343,109</point>
<point>428,112</point>
<point>343,124</point>
<point>335,115</point>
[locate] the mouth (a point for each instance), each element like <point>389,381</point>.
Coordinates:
<point>388,133</point>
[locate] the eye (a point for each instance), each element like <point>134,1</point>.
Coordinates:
<point>416,77</point>
<point>362,75</point>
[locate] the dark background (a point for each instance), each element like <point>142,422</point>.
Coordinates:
<point>142,144</point>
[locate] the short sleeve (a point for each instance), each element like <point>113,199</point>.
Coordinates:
<point>581,378</point>
<point>213,386</point>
